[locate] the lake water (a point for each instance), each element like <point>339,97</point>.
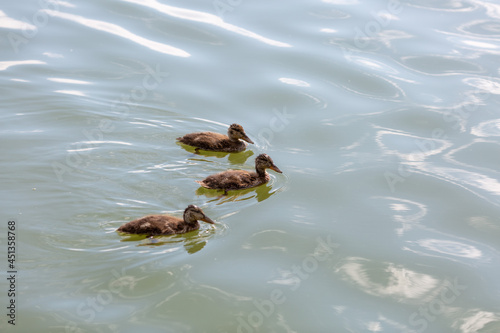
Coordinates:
<point>382,115</point>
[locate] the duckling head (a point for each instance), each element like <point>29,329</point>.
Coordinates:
<point>236,132</point>
<point>194,213</point>
<point>263,162</point>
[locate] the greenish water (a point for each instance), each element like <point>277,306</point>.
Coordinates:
<point>382,115</point>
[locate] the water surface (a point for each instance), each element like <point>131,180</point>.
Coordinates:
<point>383,116</point>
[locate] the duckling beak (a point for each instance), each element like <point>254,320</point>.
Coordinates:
<point>246,138</point>
<point>275,168</point>
<point>208,220</point>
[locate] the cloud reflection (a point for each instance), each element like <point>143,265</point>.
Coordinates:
<point>121,32</point>
<point>487,128</point>
<point>476,321</point>
<point>10,23</point>
<point>64,80</point>
<point>467,179</point>
<point>295,82</point>
<point>407,213</point>
<point>198,16</point>
<point>448,247</point>
<point>6,64</point>
<point>483,85</point>
<point>392,280</point>
<point>71,92</point>
<point>410,147</point>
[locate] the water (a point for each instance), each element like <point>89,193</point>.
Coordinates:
<point>383,116</point>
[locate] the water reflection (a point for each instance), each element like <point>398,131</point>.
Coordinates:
<point>233,158</point>
<point>472,181</point>
<point>448,247</point>
<point>410,147</point>
<point>121,32</point>
<point>387,279</point>
<point>410,214</point>
<point>192,241</point>
<point>483,87</point>
<point>11,23</point>
<point>481,28</point>
<point>199,16</point>
<point>407,213</point>
<point>445,6</point>
<point>439,64</point>
<point>6,64</point>
<point>371,85</point>
<point>489,128</point>
<point>260,193</point>
<point>476,320</point>
<point>374,65</point>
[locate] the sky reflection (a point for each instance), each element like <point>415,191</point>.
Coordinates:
<point>387,279</point>
<point>448,247</point>
<point>121,32</point>
<point>198,16</point>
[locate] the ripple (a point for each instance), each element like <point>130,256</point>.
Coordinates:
<point>410,147</point>
<point>481,28</point>
<point>473,181</point>
<point>479,154</point>
<point>198,16</point>
<point>373,64</point>
<point>71,92</point>
<point>6,64</point>
<point>121,32</point>
<point>484,86</point>
<point>452,248</point>
<point>490,128</point>
<point>294,82</point>
<point>399,282</point>
<point>191,242</point>
<point>475,320</point>
<point>69,81</point>
<point>475,45</point>
<point>446,6</point>
<point>371,85</point>
<point>439,64</point>
<point>10,23</point>
<point>407,213</point>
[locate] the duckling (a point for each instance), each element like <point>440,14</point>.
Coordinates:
<point>240,179</point>
<point>218,142</point>
<point>166,224</point>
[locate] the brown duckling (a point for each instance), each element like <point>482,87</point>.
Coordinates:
<point>240,179</point>
<point>166,224</point>
<point>218,142</point>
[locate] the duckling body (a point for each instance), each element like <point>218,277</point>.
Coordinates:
<point>165,224</point>
<point>241,179</point>
<point>218,142</point>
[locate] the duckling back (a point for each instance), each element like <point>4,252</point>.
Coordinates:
<point>233,180</point>
<point>152,225</point>
<point>212,141</point>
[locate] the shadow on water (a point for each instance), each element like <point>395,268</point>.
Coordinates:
<point>233,158</point>
<point>192,241</point>
<point>260,193</point>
